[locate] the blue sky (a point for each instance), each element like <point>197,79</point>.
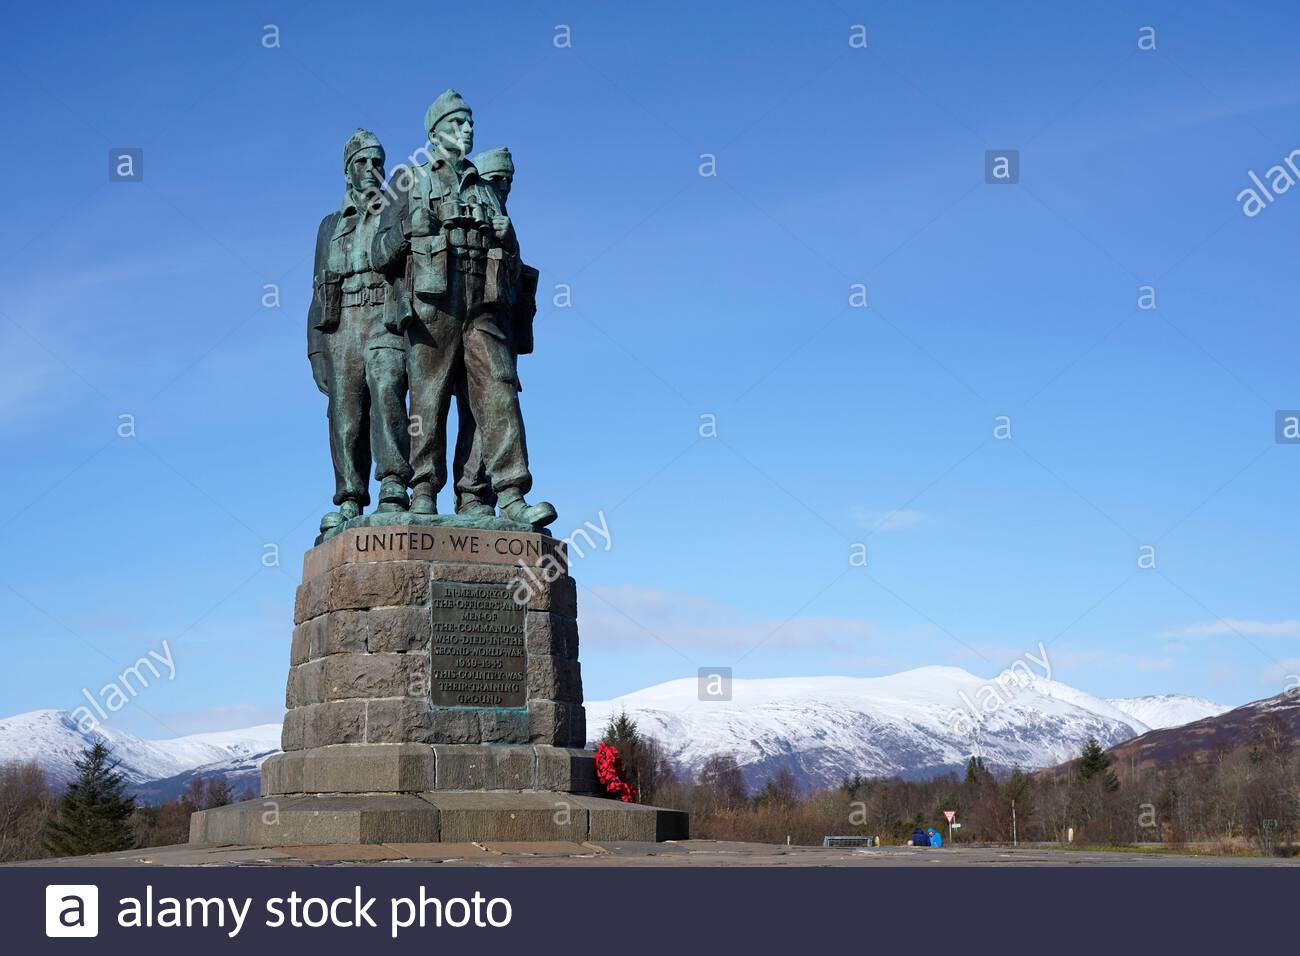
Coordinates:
<point>692,295</point>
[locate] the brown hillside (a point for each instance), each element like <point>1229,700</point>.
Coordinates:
<point>1272,722</point>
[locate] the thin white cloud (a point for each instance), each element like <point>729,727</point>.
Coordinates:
<point>220,718</point>
<point>1285,673</point>
<point>25,373</point>
<point>1146,665</point>
<point>636,616</point>
<point>901,519</point>
<point>1289,627</point>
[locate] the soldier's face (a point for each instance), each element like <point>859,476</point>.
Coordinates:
<point>501,182</point>
<point>366,172</point>
<point>455,133</point>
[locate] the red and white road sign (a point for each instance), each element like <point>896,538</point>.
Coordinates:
<point>950,814</point>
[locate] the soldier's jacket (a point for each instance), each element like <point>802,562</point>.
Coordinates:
<point>460,211</point>
<point>332,276</point>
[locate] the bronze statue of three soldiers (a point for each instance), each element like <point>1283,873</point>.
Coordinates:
<point>418,288</point>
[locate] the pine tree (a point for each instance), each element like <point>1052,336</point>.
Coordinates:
<point>1018,800</point>
<point>851,785</point>
<point>621,732</point>
<point>1093,762</point>
<point>976,772</point>
<point>218,792</point>
<point>781,791</point>
<point>1020,788</point>
<point>643,759</point>
<point>94,815</point>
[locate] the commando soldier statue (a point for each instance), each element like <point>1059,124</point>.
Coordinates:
<point>434,691</point>
<point>461,264</point>
<point>355,342</point>
<point>474,495</point>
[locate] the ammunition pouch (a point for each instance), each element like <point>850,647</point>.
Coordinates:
<point>328,292</point>
<point>428,266</point>
<point>397,309</point>
<point>500,275</point>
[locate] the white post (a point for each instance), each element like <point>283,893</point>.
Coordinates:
<point>1014,840</point>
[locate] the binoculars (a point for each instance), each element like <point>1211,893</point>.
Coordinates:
<point>450,215</point>
<point>459,215</point>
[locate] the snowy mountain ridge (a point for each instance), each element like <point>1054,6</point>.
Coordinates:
<point>1168,710</point>
<point>54,740</point>
<point>912,724</point>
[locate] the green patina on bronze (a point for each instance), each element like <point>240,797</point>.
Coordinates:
<point>419,298</point>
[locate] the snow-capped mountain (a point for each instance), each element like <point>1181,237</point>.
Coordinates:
<point>53,739</point>
<point>1168,710</point>
<point>913,724</point>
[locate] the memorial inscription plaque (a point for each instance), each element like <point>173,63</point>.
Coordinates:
<point>477,646</point>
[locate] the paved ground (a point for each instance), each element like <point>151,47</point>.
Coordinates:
<point>684,853</point>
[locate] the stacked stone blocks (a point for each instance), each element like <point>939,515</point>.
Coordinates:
<point>417,712</point>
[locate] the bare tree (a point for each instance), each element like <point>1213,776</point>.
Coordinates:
<point>27,804</point>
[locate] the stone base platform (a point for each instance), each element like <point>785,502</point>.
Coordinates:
<point>434,696</point>
<point>447,816</point>
<point>414,768</point>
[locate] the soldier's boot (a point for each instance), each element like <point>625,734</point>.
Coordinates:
<point>473,506</point>
<point>538,515</point>
<point>350,508</point>
<point>392,496</point>
<point>422,500</point>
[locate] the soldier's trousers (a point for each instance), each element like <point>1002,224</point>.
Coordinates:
<point>367,406</point>
<point>448,355</point>
<point>468,472</point>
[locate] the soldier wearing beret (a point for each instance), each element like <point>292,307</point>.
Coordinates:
<point>461,270</point>
<point>355,342</point>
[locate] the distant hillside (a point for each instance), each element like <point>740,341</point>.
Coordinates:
<point>914,725</point>
<point>908,725</point>
<point>1202,739</point>
<point>243,775</point>
<point>54,740</point>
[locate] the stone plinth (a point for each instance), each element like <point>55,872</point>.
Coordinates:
<point>433,686</point>
<point>435,635</point>
<point>447,817</point>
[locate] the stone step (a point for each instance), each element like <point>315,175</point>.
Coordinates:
<point>449,816</point>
